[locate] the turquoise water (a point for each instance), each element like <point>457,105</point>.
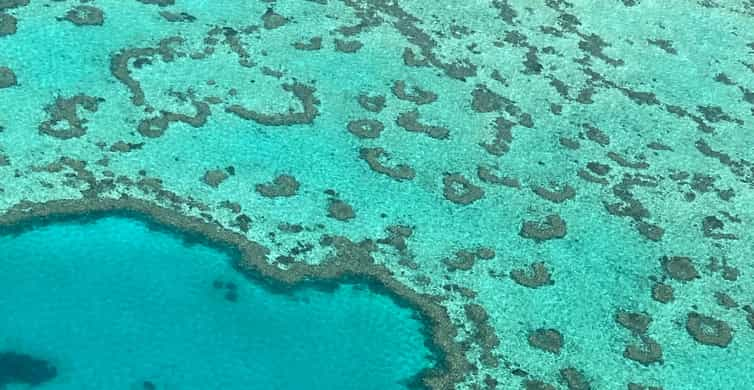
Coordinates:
<point>605,145</point>
<point>112,304</point>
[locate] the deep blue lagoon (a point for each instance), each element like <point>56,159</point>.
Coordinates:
<point>112,304</point>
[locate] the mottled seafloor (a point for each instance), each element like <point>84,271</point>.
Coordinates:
<point>573,180</point>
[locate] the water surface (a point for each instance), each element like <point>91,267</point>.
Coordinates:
<point>112,304</point>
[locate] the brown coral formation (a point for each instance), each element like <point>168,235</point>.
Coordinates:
<point>7,77</point>
<point>177,16</point>
<point>372,103</point>
<point>552,227</point>
<point>574,379</point>
<point>161,3</point>
<point>315,43</point>
<point>272,20</point>
<point>679,268</point>
<point>119,63</point>
<point>345,46</point>
<point>460,190</point>
<point>214,177</point>
<point>536,384</point>
<point>549,340</point>
<point>156,126</point>
<point>662,292</point>
<point>340,210</point>
<point>8,24</point>
<point>413,94</point>
<point>635,322</point>
<point>647,352</point>
<point>536,276</point>
<point>302,92</point>
<point>64,110</point>
<point>281,186</point>
<point>365,128</point>
<point>489,174</point>
<point>708,330</point>
<point>566,192</point>
<point>398,172</point>
<point>85,15</point>
<point>410,122</point>
<point>125,147</point>
<point>484,335</point>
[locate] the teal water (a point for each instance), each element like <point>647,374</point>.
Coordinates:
<point>112,304</point>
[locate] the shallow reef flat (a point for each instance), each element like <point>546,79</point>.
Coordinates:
<point>563,189</point>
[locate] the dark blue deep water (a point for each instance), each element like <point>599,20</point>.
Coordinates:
<point>111,304</point>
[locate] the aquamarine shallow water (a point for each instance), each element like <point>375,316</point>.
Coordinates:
<point>112,304</point>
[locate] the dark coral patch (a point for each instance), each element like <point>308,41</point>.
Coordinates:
<point>585,175</point>
<point>161,3</point>
<point>16,368</point>
<point>7,24</point>
<point>635,322</point>
<point>411,59</point>
<point>503,137</point>
<point>214,177</point>
<point>315,43</point>
<point>340,210</point>
<point>536,276</point>
<point>662,293</point>
<point>119,64</point>
<point>272,20</point>
<point>484,100</point>
<point>535,384</point>
<point>85,15</point>
<point>281,186</point>
<point>397,237</point>
<point>7,78</point>
<point>463,260</point>
<point>10,4</point>
<point>558,196</point>
<point>416,95</point>
<point>725,300</point>
<point>637,386</point>
<point>646,353</point>
<point>125,147</point>
<point>650,231</point>
<point>488,174</point>
<point>596,135</point>
<point>485,334</point>
<point>664,45</point>
<point>551,228</point>
<point>711,225</point>
<point>371,103</point>
<point>624,162</point>
<point>344,46</point>
<point>398,172</point>
<point>156,126</point>
<point>679,268</point>
<point>365,128</point>
<point>177,16</point>
<point>304,93</point>
<point>708,331</point>
<point>569,143</point>
<point>64,109</point>
<point>459,190</point>
<point>574,379</point>
<point>549,340</point>
<point>410,122</point>
<point>598,168</point>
